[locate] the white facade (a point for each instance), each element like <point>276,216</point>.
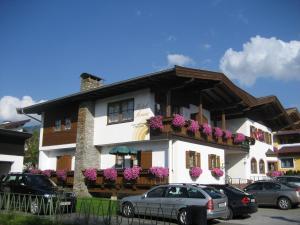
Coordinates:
<point>11,163</point>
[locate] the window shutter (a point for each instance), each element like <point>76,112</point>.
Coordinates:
<point>218,161</point>
<point>198,159</point>
<point>146,159</point>
<point>187,159</point>
<point>210,161</point>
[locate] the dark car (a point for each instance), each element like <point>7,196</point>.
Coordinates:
<point>295,180</point>
<point>38,191</point>
<point>240,203</point>
<point>274,193</point>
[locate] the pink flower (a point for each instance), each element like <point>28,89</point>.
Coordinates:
<point>217,172</point>
<point>132,173</point>
<point>160,172</point>
<point>218,132</point>
<point>35,171</point>
<point>195,172</point>
<point>110,174</point>
<point>275,173</point>
<point>239,138</point>
<point>178,120</point>
<point>227,134</point>
<point>206,129</point>
<point>193,126</point>
<point>90,174</point>
<point>155,123</point>
<point>47,172</point>
<point>61,175</point>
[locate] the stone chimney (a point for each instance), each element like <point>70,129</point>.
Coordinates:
<point>89,81</point>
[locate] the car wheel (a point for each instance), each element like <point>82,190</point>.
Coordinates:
<point>284,203</point>
<point>128,210</point>
<point>182,217</point>
<point>34,206</point>
<point>229,215</point>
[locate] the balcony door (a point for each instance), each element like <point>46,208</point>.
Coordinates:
<point>64,162</point>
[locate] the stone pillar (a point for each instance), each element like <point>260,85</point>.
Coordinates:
<point>86,154</point>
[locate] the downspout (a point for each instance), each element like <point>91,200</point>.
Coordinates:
<point>21,111</point>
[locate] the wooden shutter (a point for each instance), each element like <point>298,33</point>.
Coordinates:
<point>218,161</point>
<point>187,159</point>
<point>210,156</point>
<point>146,159</point>
<point>64,162</point>
<point>198,159</point>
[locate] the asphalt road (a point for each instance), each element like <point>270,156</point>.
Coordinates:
<point>270,216</point>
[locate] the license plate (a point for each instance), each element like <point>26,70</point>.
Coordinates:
<point>252,200</point>
<point>65,203</point>
<point>223,204</point>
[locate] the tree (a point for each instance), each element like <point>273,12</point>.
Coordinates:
<point>32,151</point>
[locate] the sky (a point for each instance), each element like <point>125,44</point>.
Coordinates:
<point>46,45</point>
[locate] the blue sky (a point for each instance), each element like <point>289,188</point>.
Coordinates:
<point>46,45</point>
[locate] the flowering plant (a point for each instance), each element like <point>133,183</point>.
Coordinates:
<point>178,120</point>
<point>35,171</point>
<point>275,173</point>
<point>61,175</point>
<point>110,174</point>
<point>90,174</point>
<point>132,173</point>
<point>155,122</point>
<point>217,172</point>
<point>160,172</point>
<point>206,129</point>
<point>218,132</point>
<point>193,126</point>
<point>47,172</point>
<point>239,138</point>
<point>195,172</point>
<point>227,134</point>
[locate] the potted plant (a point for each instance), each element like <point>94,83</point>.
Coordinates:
<point>159,173</point>
<point>178,122</point>
<point>193,127</point>
<point>90,175</point>
<point>195,172</point>
<point>132,174</point>
<point>206,130</point>
<point>239,138</point>
<point>156,124</point>
<point>217,172</point>
<point>110,175</point>
<point>218,133</point>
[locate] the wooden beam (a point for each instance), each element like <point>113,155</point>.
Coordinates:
<point>168,104</point>
<point>200,113</point>
<point>223,121</point>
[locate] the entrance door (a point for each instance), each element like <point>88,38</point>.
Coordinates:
<point>64,162</point>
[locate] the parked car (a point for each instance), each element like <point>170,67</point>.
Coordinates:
<point>170,201</point>
<point>284,196</point>
<point>38,190</point>
<point>295,180</point>
<point>240,203</point>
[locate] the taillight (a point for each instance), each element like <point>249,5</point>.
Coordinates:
<point>246,200</point>
<point>210,205</point>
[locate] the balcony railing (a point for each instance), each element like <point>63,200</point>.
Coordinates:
<point>168,131</point>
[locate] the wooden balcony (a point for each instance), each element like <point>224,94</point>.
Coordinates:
<point>120,187</point>
<point>169,131</point>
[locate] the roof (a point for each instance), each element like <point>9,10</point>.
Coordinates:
<point>12,125</point>
<point>220,94</point>
<point>294,115</point>
<point>288,150</point>
<point>270,153</point>
<point>6,134</point>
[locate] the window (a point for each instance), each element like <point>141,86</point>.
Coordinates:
<point>193,159</point>
<point>157,192</point>
<point>253,165</point>
<point>195,193</point>
<point>57,125</point>
<point>120,161</point>
<point>177,192</point>
<point>68,124</point>
<point>122,111</point>
<point>272,186</point>
<point>287,163</point>
<point>213,161</point>
<point>261,166</point>
<point>214,193</point>
<point>256,186</point>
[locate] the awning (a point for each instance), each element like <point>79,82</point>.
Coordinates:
<point>123,150</point>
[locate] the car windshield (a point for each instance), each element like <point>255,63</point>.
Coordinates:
<point>213,193</point>
<point>39,181</point>
<point>235,190</point>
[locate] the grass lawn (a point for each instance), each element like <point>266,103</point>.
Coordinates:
<point>96,206</point>
<point>15,219</point>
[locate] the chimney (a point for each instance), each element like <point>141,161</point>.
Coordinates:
<point>89,81</point>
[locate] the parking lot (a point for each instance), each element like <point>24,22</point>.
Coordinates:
<point>270,216</point>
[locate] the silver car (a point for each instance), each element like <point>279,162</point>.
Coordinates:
<point>170,201</point>
<point>295,180</point>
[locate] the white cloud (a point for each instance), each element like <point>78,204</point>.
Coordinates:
<point>263,57</point>
<point>8,105</point>
<point>178,59</point>
<point>207,46</point>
